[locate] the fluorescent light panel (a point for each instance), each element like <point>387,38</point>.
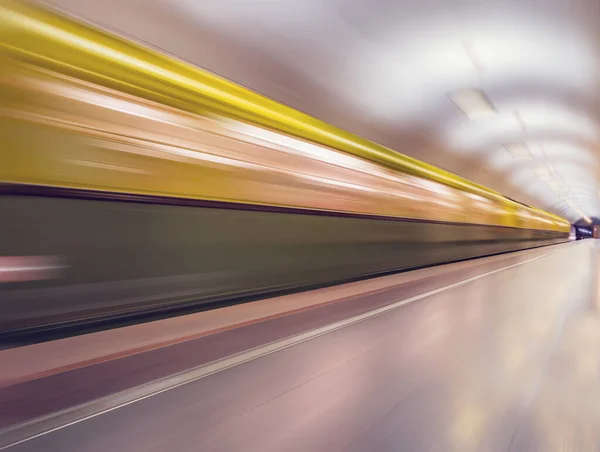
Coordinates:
<point>555,185</point>
<point>543,173</point>
<point>473,103</point>
<point>519,151</point>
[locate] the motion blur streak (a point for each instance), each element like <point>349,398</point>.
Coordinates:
<point>168,186</point>
<point>28,268</point>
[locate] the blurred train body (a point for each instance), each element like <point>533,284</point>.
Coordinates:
<point>132,182</point>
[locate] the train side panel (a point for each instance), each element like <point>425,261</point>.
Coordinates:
<point>116,257</point>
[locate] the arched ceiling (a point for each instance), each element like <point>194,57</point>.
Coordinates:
<point>502,92</point>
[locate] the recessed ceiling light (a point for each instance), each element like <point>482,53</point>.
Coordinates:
<point>543,173</point>
<point>519,151</point>
<point>473,103</point>
<point>555,185</point>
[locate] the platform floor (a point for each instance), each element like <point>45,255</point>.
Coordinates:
<point>502,359</point>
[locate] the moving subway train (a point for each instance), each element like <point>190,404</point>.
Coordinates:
<point>132,182</point>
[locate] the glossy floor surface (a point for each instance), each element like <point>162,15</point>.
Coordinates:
<point>503,361</point>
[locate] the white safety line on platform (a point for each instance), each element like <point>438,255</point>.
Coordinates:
<point>27,431</point>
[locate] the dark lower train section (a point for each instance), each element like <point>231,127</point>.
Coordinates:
<point>110,259</point>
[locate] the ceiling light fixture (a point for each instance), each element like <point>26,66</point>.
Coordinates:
<point>519,151</point>
<point>555,185</point>
<point>543,173</point>
<point>473,103</point>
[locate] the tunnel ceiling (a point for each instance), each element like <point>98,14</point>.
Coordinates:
<point>501,92</point>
